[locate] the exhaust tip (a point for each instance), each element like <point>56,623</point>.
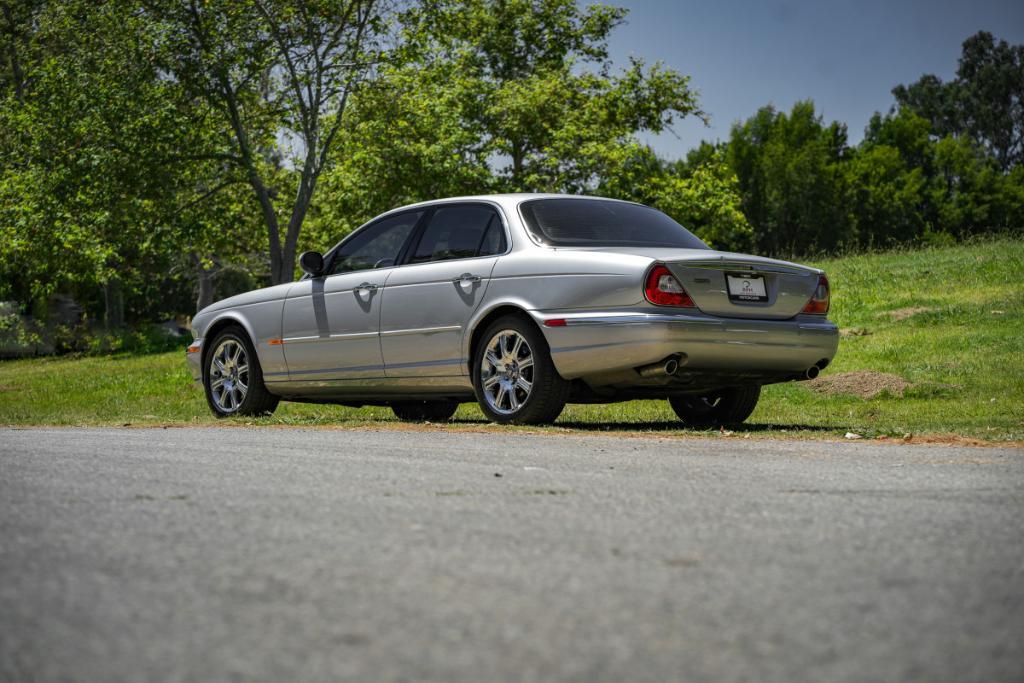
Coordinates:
<point>812,372</point>
<point>662,368</point>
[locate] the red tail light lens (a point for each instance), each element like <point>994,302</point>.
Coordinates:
<point>663,289</point>
<point>820,300</point>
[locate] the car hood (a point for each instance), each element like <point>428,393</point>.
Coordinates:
<point>255,296</point>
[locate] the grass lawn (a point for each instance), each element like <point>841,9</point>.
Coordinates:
<point>956,337</point>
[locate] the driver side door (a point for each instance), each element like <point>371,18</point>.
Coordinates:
<point>332,323</point>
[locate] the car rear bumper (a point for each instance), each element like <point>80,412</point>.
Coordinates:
<point>593,344</point>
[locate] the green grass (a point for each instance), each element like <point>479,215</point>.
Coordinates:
<point>964,354</point>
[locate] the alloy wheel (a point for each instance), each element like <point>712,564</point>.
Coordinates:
<point>506,372</point>
<point>229,376</point>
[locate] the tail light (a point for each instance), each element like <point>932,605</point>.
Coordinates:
<point>820,299</point>
<point>663,289</point>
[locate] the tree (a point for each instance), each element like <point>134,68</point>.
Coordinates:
<point>702,193</point>
<point>85,133</point>
<point>278,74</point>
<point>790,177</point>
<point>532,86</point>
<point>984,102</point>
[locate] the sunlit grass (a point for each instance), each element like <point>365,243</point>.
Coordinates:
<point>964,354</point>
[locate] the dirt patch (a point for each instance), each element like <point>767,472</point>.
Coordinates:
<point>848,332</point>
<point>904,313</point>
<point>863,383</point>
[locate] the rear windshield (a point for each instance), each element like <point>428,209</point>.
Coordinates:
<point>597,222</point>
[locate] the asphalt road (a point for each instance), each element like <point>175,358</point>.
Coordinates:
<point>300,554</point>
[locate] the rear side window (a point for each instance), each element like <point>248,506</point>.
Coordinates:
<point>377,245</point>
<point>462,231</point>
<point>602,222</point>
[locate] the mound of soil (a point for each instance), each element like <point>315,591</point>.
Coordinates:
<point>863,383</point>
<point>904,313</point>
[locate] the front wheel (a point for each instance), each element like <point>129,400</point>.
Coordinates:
<point>513,376</point>
<point>233,379</point>
<point>716,409</point>
<point>424,411</point>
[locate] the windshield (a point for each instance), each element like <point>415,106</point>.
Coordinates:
<point>603,222</point>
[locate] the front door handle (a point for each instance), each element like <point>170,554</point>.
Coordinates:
<point>366,287</point>
<point>466,278</point>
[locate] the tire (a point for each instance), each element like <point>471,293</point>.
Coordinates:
<point>232,377</point>
<point>513,376</point>
<point>424,411</point>
<point>720,408</point>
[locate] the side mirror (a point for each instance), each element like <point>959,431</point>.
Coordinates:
<point>312,262</point>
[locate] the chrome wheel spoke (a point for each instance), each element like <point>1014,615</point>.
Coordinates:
<point>500,398</point>
<point>489,382</point>
<point>524,384</point>
<point>493,360</point>
<point>516,347</point>
<point>513,399</point>
<point>526,363</point>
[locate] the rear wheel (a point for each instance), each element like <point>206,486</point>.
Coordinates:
<point>719,408</point>
<point>424,411</point>
<point>513,376</point>
<point>233,379</point>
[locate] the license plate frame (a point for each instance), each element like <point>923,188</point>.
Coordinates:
<point>746,288</point>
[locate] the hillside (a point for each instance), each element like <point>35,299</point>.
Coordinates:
<point>931,347</point>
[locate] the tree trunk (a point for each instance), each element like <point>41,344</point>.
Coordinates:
<point>12,51</point>
<point>204,278</point>
<point>113,301</point>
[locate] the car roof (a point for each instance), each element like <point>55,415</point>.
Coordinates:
<point>510,199</point>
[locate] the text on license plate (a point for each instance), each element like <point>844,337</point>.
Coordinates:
<point>746,287</point>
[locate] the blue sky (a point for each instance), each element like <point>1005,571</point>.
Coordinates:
<point>846,55</point>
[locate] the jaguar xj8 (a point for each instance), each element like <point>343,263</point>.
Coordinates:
<point>522,302</point>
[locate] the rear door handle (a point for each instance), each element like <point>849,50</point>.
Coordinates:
<point>466,277</point>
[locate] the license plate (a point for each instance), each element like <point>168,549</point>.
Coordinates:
<point>746,287</point>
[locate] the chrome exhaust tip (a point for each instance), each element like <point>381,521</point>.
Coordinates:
<point>664,368</point>
<point>812,372</point>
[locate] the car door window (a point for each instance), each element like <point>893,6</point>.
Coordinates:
<point>377,246</point>
<point>456,232</point>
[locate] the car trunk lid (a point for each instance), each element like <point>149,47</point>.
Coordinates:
<point>737,285</point>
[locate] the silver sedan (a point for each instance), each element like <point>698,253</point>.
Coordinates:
<point>523,302</point>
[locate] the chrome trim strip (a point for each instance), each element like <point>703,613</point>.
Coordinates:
<point>354,335</point>
<point>636,319</point>
<point>314,338</point>
<point>743,266</point>
<point>421,330</point>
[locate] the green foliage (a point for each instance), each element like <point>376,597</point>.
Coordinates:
<point>156,153</point>
<point>702,195</point>
<point>790,176</point>
<point>985,101</point>
<point>475,102</point>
